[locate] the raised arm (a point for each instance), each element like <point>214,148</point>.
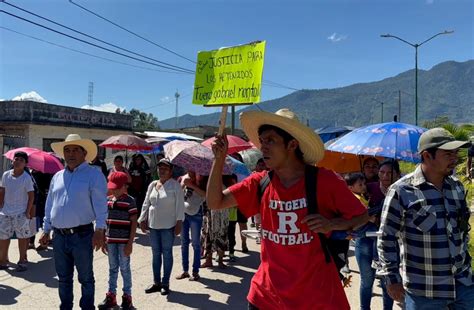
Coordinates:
<point>215,197</point>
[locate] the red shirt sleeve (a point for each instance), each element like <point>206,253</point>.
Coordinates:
<point>246,194</point>
<point>334,197</point>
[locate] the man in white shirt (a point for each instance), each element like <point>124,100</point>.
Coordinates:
<point>16,208</point>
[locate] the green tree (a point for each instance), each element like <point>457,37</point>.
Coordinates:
<point>143,121</point>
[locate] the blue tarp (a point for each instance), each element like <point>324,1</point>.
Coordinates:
<point>331,132</point>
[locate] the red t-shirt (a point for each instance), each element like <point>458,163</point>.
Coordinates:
<point>293,273</point>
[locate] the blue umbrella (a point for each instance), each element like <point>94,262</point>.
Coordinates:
<point>157,143</point>
<point>392,140</point>
<point>239,168</point>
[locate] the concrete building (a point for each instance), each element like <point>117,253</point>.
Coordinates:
<point>36,124</point>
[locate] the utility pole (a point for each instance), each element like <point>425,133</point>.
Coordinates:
<point>90,94</point>
<point>399,106</point>
<point>176,95</point>
<point>232,123</point>
<point>382,112</point>
<point>416,46</point>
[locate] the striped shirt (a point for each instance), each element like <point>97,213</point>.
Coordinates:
<point>118,220</point>
<point>430,229</point>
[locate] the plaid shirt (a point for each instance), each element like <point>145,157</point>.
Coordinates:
<point>426,232</point>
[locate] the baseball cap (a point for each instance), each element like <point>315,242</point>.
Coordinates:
<point>117,180</point>
<point>440,138</point>
<point>165,161</point>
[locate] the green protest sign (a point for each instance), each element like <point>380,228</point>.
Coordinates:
<point>231,75</point>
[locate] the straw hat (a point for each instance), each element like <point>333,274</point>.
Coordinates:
<point>310,143</point>
<point>75,139</point>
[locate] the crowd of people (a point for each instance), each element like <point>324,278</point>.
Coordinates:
<point>409,231</point>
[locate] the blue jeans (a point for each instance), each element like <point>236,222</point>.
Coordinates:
<point>117,259</point>
<point>365,252</point>
<point>464,300</point>
<point>193,223</point>
<point>162,245</point>
<point>69,251</point>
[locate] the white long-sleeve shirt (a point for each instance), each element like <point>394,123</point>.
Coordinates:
<point>164,207</point>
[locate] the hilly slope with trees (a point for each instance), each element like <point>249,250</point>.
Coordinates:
<point>446,90</point>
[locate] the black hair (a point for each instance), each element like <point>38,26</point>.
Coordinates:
<point>21,155</point>
<point>237,156</point>
<point>285,135</point>
<point>202,183</point>
<point>392,163</point>
<point>260,160</point>
<point>118,157</point>
<point>370,159</point>
<point>144,164</point>
<point>431,151</point>
<point>229,180</point>
<point>352,178</point>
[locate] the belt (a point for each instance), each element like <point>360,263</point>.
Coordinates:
<point>73,230</point>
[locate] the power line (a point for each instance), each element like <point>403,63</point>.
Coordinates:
<point>88,54</point>
<point>92,44</point>
<point>275,84</point>
<point>97,39</point>
<point>165,103</point>
<point>131,32</point>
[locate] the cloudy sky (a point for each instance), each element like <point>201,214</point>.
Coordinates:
<point>310,44</point>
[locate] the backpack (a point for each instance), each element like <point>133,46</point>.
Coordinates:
<point>332,248</point>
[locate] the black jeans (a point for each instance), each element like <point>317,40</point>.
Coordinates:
<point>252,307</point>
<point>231,236</point>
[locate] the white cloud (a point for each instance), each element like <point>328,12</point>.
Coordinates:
<point>32,95</point>
<point>105,107</point>
<point>165,99</point>
<point>336,37</point>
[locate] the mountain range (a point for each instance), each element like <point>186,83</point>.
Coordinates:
<point>447,89</point>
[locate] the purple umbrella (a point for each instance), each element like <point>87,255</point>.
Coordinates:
<point>193,156</point>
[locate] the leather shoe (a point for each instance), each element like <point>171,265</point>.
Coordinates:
<point>165,290</point>
<point>195,277</point>
<point>184,275</point>
<point>153,288</point>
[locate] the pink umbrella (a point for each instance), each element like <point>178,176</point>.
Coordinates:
<point>236,144</point>
<point>193,156</point>
<point>126,142</point>
<point>38,159</point>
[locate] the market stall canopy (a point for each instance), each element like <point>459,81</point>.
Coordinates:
<point>171,135</point>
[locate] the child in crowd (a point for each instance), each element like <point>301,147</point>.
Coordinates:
<point>356,183</point>
<point>121,228</point>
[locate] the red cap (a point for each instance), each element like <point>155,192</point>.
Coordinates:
<point>117,180</point>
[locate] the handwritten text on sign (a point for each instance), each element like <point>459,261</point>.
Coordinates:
<point>229,75</point>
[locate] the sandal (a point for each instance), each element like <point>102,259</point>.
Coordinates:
<point>40,248</point>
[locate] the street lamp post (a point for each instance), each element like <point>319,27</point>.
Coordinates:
<point>416,45</point>
<point>381,116</point>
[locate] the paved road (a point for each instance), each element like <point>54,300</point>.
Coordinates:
<point>218,289</point>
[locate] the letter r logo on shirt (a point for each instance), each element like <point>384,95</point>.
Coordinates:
<point>287,219</point>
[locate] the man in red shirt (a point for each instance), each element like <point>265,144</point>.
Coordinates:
<point>293,273</point>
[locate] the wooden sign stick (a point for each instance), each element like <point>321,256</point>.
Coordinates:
<point>222,120</point>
